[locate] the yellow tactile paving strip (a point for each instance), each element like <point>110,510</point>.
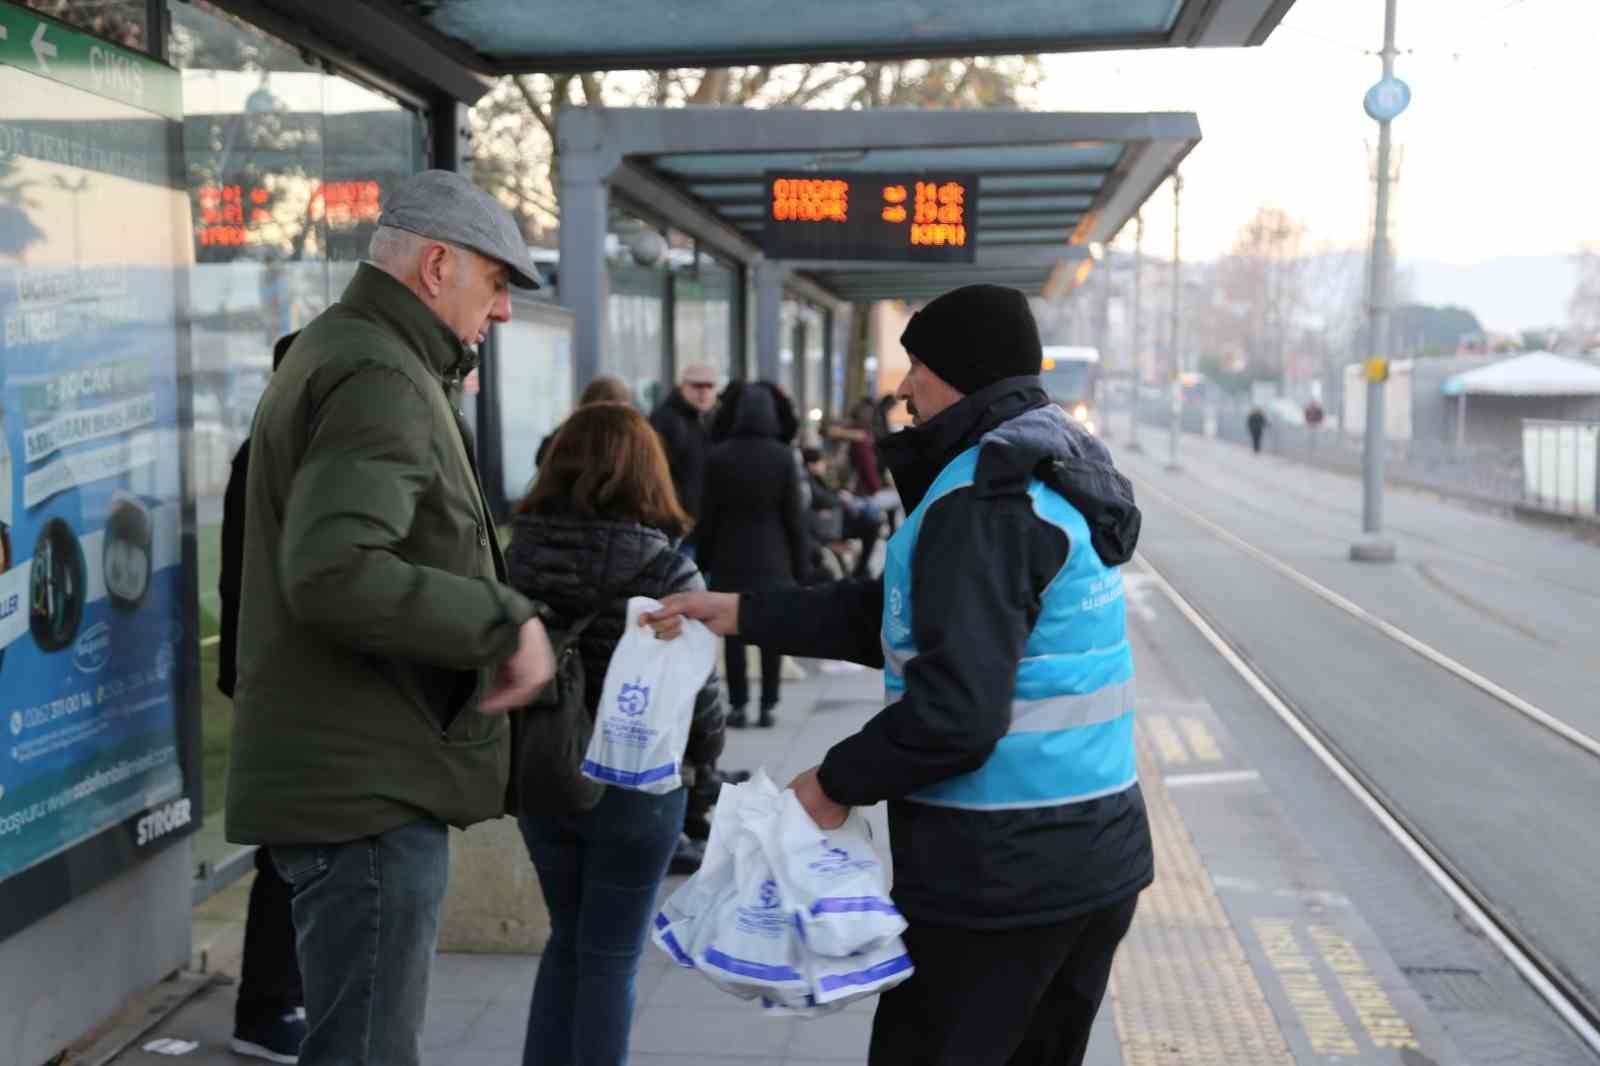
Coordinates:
<point>1182,989</point>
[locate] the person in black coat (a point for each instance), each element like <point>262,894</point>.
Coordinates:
<point>1256,423</point>
<point>266,1021</point>
<point>680,419</point>
<point>753,531</point>
<point>602,515</point>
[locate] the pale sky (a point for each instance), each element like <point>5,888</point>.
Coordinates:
<point>1501,155</point>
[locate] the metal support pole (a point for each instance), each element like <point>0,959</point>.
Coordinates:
<point>1133,335</point>
<point>1373,547</point>
<point>1175,426</point>
<point>769,318</point>
<point>584,283</point>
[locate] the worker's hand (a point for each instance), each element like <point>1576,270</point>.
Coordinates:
<point>520,677</point>
<point>826,813</point>
<point>718,610</point>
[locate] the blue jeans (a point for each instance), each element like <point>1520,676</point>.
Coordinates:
<point>366,919</point>
<point>600,872</point>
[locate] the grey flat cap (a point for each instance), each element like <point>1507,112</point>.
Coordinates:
<point>445,206</point>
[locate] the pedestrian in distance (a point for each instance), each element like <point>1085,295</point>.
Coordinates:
<point>1256,423</point>
<point>379,643</point>
<point>753,530</point>
<point>598,527</point>
<point>1006,749</point>
<point>267,1013</point>
<point>681,421</point>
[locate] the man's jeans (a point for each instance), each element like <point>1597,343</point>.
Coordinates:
<point>366,918</point>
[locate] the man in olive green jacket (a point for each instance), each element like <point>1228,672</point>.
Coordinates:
<point>377,638</point>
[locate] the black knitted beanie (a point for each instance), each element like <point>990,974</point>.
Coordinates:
<point>975,336</point>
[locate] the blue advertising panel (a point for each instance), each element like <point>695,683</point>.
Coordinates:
<point>96,579</point>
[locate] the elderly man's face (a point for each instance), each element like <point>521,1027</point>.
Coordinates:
<point>700,390</point>
<point>926,393</point>
<point>476,292</point>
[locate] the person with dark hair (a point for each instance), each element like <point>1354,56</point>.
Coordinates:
<point>753,528</point>
<point>602,514</point>
<point>266,1014</point>
<point>607,388</point>
<point>1005,749</point>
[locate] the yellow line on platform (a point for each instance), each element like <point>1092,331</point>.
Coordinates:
<point>1182,990</point>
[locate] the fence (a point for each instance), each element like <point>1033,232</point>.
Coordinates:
<point>1555,472</point>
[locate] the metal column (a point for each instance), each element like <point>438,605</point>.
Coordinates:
<point>1372,547</point>
<point>1133,335</point>
<point>1175,427</point>
<point>583,285</point>
<point>769,277</point>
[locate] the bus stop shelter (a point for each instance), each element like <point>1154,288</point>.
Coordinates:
<point>1048,187</point>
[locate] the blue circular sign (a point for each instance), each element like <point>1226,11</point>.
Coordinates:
<point>1387,99</point>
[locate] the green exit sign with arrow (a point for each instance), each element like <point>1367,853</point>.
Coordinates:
<point>39,45</point>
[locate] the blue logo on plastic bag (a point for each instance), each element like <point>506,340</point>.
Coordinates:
<point>634,699</point>
<point>770,900</point>
<point>838,861</point>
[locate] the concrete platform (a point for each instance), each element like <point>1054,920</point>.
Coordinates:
<point>1247,950</point>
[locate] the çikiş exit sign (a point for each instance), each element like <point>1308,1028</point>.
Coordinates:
<point>904,217</point>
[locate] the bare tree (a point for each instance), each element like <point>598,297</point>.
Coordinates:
<point>516,125</point>
<point>1262,283</point>
<point>1583,307</point>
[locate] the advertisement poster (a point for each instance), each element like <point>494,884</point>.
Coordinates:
<point>93,238</point>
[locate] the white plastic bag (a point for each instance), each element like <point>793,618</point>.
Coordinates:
<point>683,922</point>
<point>832,879</point>
<point>647,704</point>
<point>835,981</point>
<point>754,944</point>
<point>773,896</point>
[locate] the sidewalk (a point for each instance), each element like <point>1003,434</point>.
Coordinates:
<point>1242,953</point>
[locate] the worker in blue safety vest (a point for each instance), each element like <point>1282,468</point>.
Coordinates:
<point>1006,748</point>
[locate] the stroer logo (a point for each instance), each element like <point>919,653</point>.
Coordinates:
<point>93,649</point>
<point>163,820</point>
<point>634,699</point>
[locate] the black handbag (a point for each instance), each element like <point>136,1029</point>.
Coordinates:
<point>551,735</point>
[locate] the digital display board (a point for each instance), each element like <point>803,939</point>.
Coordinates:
<point>97,700</point>
<point>898,217</point>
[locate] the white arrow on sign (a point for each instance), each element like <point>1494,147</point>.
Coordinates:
<point>42,48</point>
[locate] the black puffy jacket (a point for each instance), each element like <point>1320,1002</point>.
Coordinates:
<point>564,563</point>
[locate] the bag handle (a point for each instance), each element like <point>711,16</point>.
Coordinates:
<point>602,601</point>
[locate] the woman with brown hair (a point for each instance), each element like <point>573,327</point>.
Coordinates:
<point>602,515</point>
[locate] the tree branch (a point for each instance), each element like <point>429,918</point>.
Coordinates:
<point>545,115</point>
<point>804,94</point>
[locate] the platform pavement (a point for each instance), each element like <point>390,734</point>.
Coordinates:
<point>1245,951</point>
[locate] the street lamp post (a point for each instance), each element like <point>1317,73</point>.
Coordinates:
<point>1177,302</point>
<point>1133,334</point>
<point>1384,103</point>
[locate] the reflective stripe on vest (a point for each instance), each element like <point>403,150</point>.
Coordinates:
<point>1071,732</point>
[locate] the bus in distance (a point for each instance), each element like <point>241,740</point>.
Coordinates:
<point>1071,376</point>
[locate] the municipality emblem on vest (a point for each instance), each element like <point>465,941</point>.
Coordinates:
<point>633,699</point>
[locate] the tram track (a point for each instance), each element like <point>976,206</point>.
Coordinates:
<point>1498,925</point>
<point>1438,658</point>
